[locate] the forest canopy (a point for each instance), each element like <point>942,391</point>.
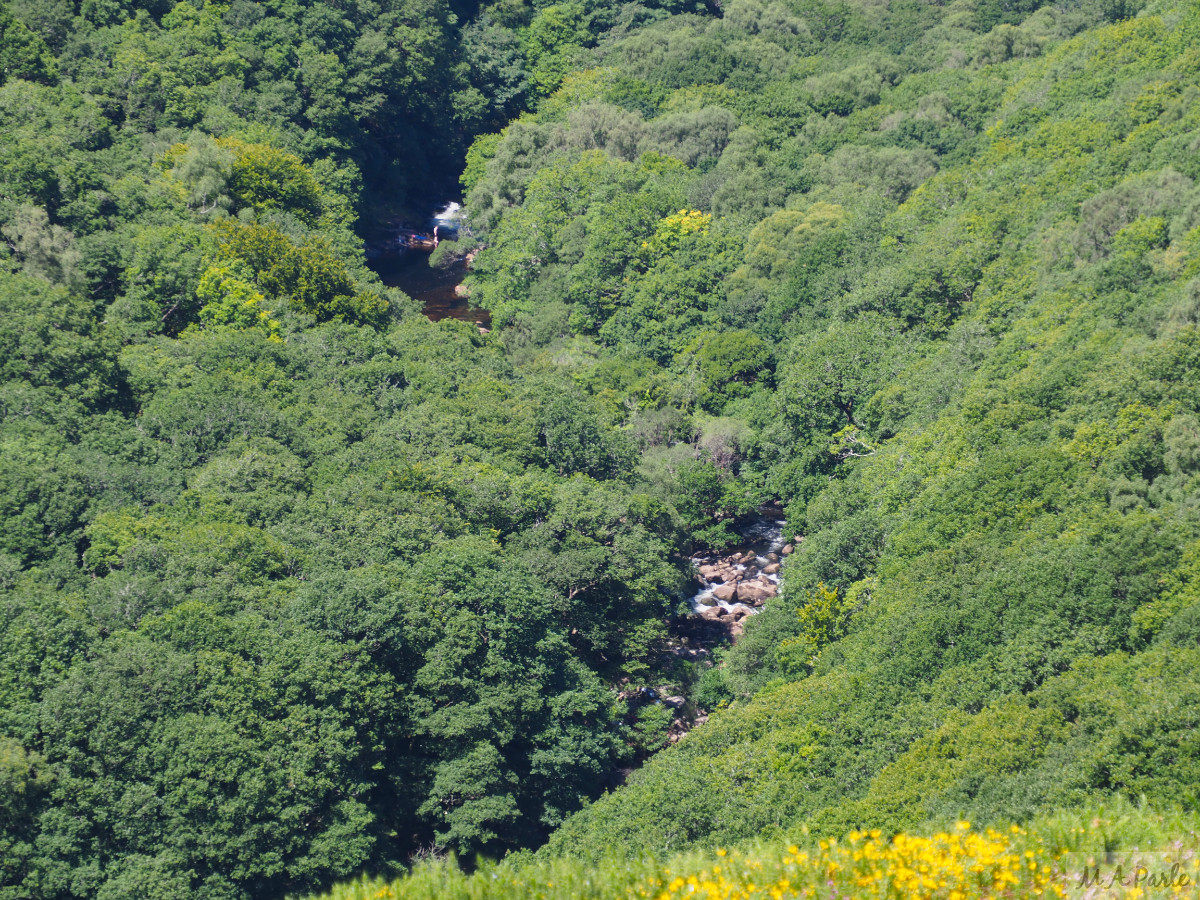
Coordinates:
<point>296,584</point>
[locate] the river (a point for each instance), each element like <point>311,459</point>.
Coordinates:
<point>401,261</point>
<point>755,560</point>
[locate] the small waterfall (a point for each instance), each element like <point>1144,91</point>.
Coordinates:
<point>402,260</point>
<point>448,213</point>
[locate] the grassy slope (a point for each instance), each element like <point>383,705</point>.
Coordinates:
<point>1045,859</point>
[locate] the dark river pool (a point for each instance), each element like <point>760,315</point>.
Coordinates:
<point>402,265</point>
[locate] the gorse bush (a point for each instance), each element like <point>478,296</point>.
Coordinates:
<point>1119,850</point>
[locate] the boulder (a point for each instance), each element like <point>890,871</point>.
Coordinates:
<point>797,539</point>
<point>708,573</point>
<point>725,592</point>
<point>749,556</point>
<point>674,702</point>
<point>739,612</point>
<point>772,569</point>
<point>712,613</point>
<point>787,550</point>
<point>772,557</point>
<point>756,592</point>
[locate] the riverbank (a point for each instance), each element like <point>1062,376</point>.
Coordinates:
<point>728,589</point>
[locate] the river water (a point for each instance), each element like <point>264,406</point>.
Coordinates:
<point>407,267</point>
<point>763,537</point>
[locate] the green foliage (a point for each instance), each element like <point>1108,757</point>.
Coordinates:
<point>52,339</point>
<point>262,177</point>
<point>204,169</point>
<point>552,44</point>
<point>43,496</point>
<point>824,618</point>
<point>835,372</point>
<point>310,276</point>
<point>977,288</point>
<point>708,500</point>
<point>23,53</point>
<point>293,585</point>
<point>231,300</point>
<point>730,364</point>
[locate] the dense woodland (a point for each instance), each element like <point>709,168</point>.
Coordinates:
<point>296,584</point>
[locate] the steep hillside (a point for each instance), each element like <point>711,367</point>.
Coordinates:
<point>292,581</point>
<point>976,279</point>
<point>296,584</point>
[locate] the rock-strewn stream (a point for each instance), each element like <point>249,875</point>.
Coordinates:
<point>736,584</point>
<point>729,588</point>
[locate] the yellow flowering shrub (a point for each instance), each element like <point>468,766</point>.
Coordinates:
<point>673,230</point>
<point>1056,858</point>
<point>955,865</point>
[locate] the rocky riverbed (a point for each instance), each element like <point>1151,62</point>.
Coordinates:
<point>733,586</point>
<point>729,588</point>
